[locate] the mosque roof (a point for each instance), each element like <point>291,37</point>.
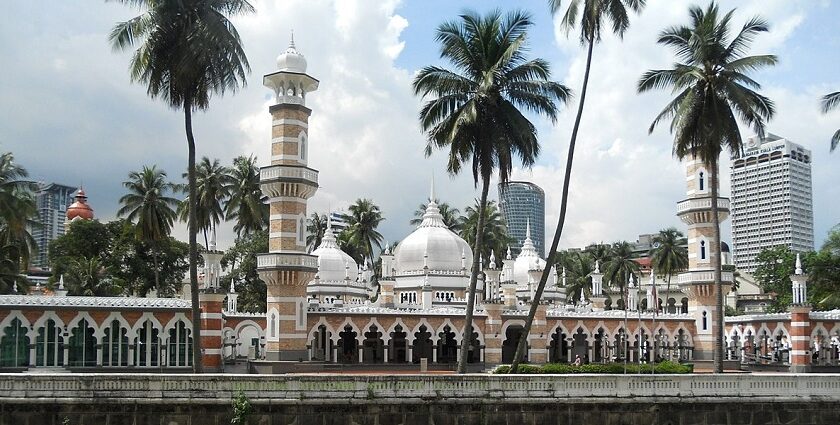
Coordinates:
<point>81,302</point>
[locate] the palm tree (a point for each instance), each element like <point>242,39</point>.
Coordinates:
<point>213,182</point>
<point>620,264</point>
<point>245,205</point>
<point>11,278</point>
<point>495,237</point>
<point>668,256</point>
<point>147,204</point>
<point>17,209</point>
<point>474,110</point>
<point>578,265</point>
<point>188,50</point>
<point>86,277</point>
<point>830,102</point>
<point>316,226</point>
<point>363,219</point>
<point>712,92</point>
<point>591,16</point>
<point>449,215</point>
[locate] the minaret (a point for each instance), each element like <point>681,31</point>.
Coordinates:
<point>800,318</point>
<point>699,281</point>
<point>288,183</point>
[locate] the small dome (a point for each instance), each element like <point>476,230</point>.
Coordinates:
<point>291,60</point>
<point>432,244</point>
<point>80,209</point>
<point>333,263</point>
<point>528,259</point>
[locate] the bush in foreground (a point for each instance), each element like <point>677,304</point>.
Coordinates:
<point>609,368</point>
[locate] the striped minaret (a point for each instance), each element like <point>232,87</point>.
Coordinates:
<point>288,183</point>
<point>800,322</point>
<point>699,280</point>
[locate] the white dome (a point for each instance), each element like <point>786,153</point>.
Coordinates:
<point>433,239</point>
<point>528,259</point>
<point>333,263</point>
<point>291,60</point>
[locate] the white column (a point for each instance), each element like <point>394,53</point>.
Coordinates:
<point>361,352</point>
<point>385,354</point>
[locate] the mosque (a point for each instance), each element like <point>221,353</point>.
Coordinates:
<point>322,308</point>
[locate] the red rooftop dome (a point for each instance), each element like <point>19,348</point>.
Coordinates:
<point>80,208</point>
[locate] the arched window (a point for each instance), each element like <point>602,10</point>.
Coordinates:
<point>147,345</point>
<point>49,345</point>
<point>301,229</point>
<point>303,147</point>
<point>702,250</point>
<point>301,314</point>
<point>115,345</point>
<point>705,322</point>
<point>180,345</point>
<point>82,351</point>
<point>14,345</point>
<point>273,326</point>
<point>701,181</point>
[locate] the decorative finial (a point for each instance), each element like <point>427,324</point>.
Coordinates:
<point>597,267</point>
<point>329,221</point>
<point>508,253</point>
<point>61,283</point>
<point>528,228</point>
<point>432,191</point>
<point>564,276</point>
<point>632,280</point>
<point>798,265</point>
<point>292,40</point>
<point>232,290</point>
<point>346,270</point>
<point>213,239</point>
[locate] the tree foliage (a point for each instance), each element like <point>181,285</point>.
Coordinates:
<point>241,259</point>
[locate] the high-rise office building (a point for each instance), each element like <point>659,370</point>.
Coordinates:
<point>52,201</point>
<point>521,203</point>
<point>771,199</point>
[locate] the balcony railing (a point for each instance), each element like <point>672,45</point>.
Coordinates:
<point>275,172</point>
<point>694,204</point>
<point>703,276</point>
<point>276,260</point>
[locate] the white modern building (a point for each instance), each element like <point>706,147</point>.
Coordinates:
<point>771,199</point>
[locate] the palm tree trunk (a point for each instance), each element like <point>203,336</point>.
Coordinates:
<point>206,245</point>
<point>717,327</point>
<point>196,312</point>
<point>520,349</point>
<point>466,340</point>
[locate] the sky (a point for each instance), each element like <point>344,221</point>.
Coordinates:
<point>71,115</point>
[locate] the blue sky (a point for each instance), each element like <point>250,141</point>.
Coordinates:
<point>70,114</point>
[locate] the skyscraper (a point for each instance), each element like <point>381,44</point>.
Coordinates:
<point>520,203</point>
<point>771,199</point>
<point>51,200</point>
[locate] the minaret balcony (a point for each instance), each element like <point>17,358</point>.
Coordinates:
<point>699,210</point>
<point>703,277</point>
<point>288,180</point>
<point>287,261</point>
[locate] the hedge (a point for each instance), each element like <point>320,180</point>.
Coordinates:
<point>608,368</point>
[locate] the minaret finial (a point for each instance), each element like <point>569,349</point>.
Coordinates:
<point>798,264</point>
<point>292,40</point>
<point>528,228</point>
<point>432,192</point>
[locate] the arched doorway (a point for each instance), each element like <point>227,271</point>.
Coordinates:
<point>14,345</point>
<point>512,336</point>
<point>558,348</point>
<point>322,345</point>
<point>348,351</point>
<point>373,348</point>
<point>422,346</point>
<point>447,346</point>
<point>580,346</point>
<point>600,349</point>
<point>398,346</point>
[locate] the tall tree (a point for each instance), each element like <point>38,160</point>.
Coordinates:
<point>590,16</point>
<point>449,215</point>
<point>213,182</point>
<point>830,102</point>
<point>474,109</point>
<point>147,204</point>
<point>577,265</point>
<point>712,93</point>
<point>17,211</point>
<point>621,264</point>
<point>362,220</point>
<point>242,260</point>
<point>87,277</point>
<point>245,205</point>
<point>495,237</point>
<point>668,256</point>
<point>11,278</point>
<point>188,50</point>
<point>316,226</point>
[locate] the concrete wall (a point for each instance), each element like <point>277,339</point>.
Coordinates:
<point>422,399</point>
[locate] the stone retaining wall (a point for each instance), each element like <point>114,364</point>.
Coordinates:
<point>140,399</point>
